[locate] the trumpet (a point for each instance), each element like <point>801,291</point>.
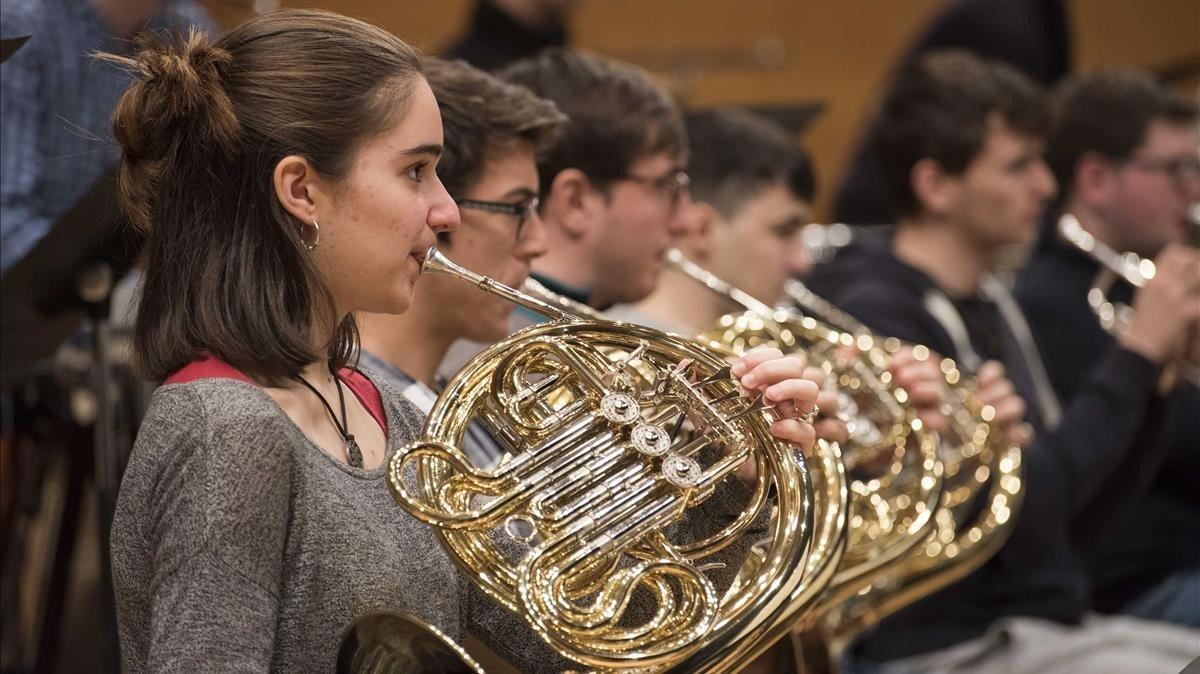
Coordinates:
<point>1131,268</point>
<point>613,432</point>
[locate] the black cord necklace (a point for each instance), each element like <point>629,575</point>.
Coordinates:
<point>353,453</point>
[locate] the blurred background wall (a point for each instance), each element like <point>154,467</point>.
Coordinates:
<point>797,54</point>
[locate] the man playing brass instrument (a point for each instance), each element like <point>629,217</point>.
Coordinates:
<point>752,188</point>
<point>615,193</point>
<point>961,146</point>
<point>1130,177</point>
<point>752,191</point>
<point>614,187</point>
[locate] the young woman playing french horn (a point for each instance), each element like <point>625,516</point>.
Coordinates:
<point>286,178</point>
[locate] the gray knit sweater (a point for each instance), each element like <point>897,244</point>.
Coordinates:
<point>239,546</point>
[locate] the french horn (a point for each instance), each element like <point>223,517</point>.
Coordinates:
<point>400,643</point>
<point>613,433</point>
<point>1131,268</point>
<point>828,478</point>
<point>890,460</point>
<point>982,488</point>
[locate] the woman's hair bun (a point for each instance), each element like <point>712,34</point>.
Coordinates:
<point>176,103</point>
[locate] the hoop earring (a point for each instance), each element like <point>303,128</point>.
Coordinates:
<point>316,239</point>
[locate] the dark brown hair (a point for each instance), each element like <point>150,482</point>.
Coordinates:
<point>618,115</point>
<point>1108,113</point>
<point>736,154</point>
<point>201,129</point>
<point>939,108</point>
<point>483,115</point>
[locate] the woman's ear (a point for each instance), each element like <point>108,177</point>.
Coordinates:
<point>297,187</point>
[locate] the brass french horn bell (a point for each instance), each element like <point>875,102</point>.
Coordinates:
<point>828,477</point>
<point>613,433</point>
<point>891,461</point>
<point>1131,268</point>
<point>399,643</point>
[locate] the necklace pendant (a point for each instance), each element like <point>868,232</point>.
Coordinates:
<point>353,453</point>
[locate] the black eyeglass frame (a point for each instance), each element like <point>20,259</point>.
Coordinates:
<point>673,185</point>
<point>521,210</point>
<point>1181,171</point>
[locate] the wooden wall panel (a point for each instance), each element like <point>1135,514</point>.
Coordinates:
<point>1154,34</point>
<point>839,52</point>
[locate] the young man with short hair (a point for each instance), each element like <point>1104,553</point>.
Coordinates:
<point>614,189</point>
<point>752,189</point>
<point>961,144</point>
<point>1124,150</point>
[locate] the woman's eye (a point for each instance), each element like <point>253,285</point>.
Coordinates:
<point>415,172</point>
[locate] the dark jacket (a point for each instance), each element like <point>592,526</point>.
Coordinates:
<point>1159,533</point>
<point>1069,470</point>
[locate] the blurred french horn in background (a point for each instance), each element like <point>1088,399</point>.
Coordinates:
<point>980,494</point>
<point>1135,270</point>
<point>614,433</point>
<point>978,471</point>
<point>890,460</point>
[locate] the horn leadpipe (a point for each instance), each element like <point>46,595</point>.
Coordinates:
<point>807,299</point>
<point>717,284</point>
<point>1133,269</point>
<point>437,263</point>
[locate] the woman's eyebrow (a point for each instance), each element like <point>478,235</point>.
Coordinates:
<point>428,148</point>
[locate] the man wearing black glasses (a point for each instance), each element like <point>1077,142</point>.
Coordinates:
<point>613,186</point>
<point>1125,152</point>
<point>493,131</point>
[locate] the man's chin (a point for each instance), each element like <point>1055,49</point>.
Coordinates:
<point>648,285</point>
<point>496,329</point>
<point>1024,235</point>
<point>635,295</point>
